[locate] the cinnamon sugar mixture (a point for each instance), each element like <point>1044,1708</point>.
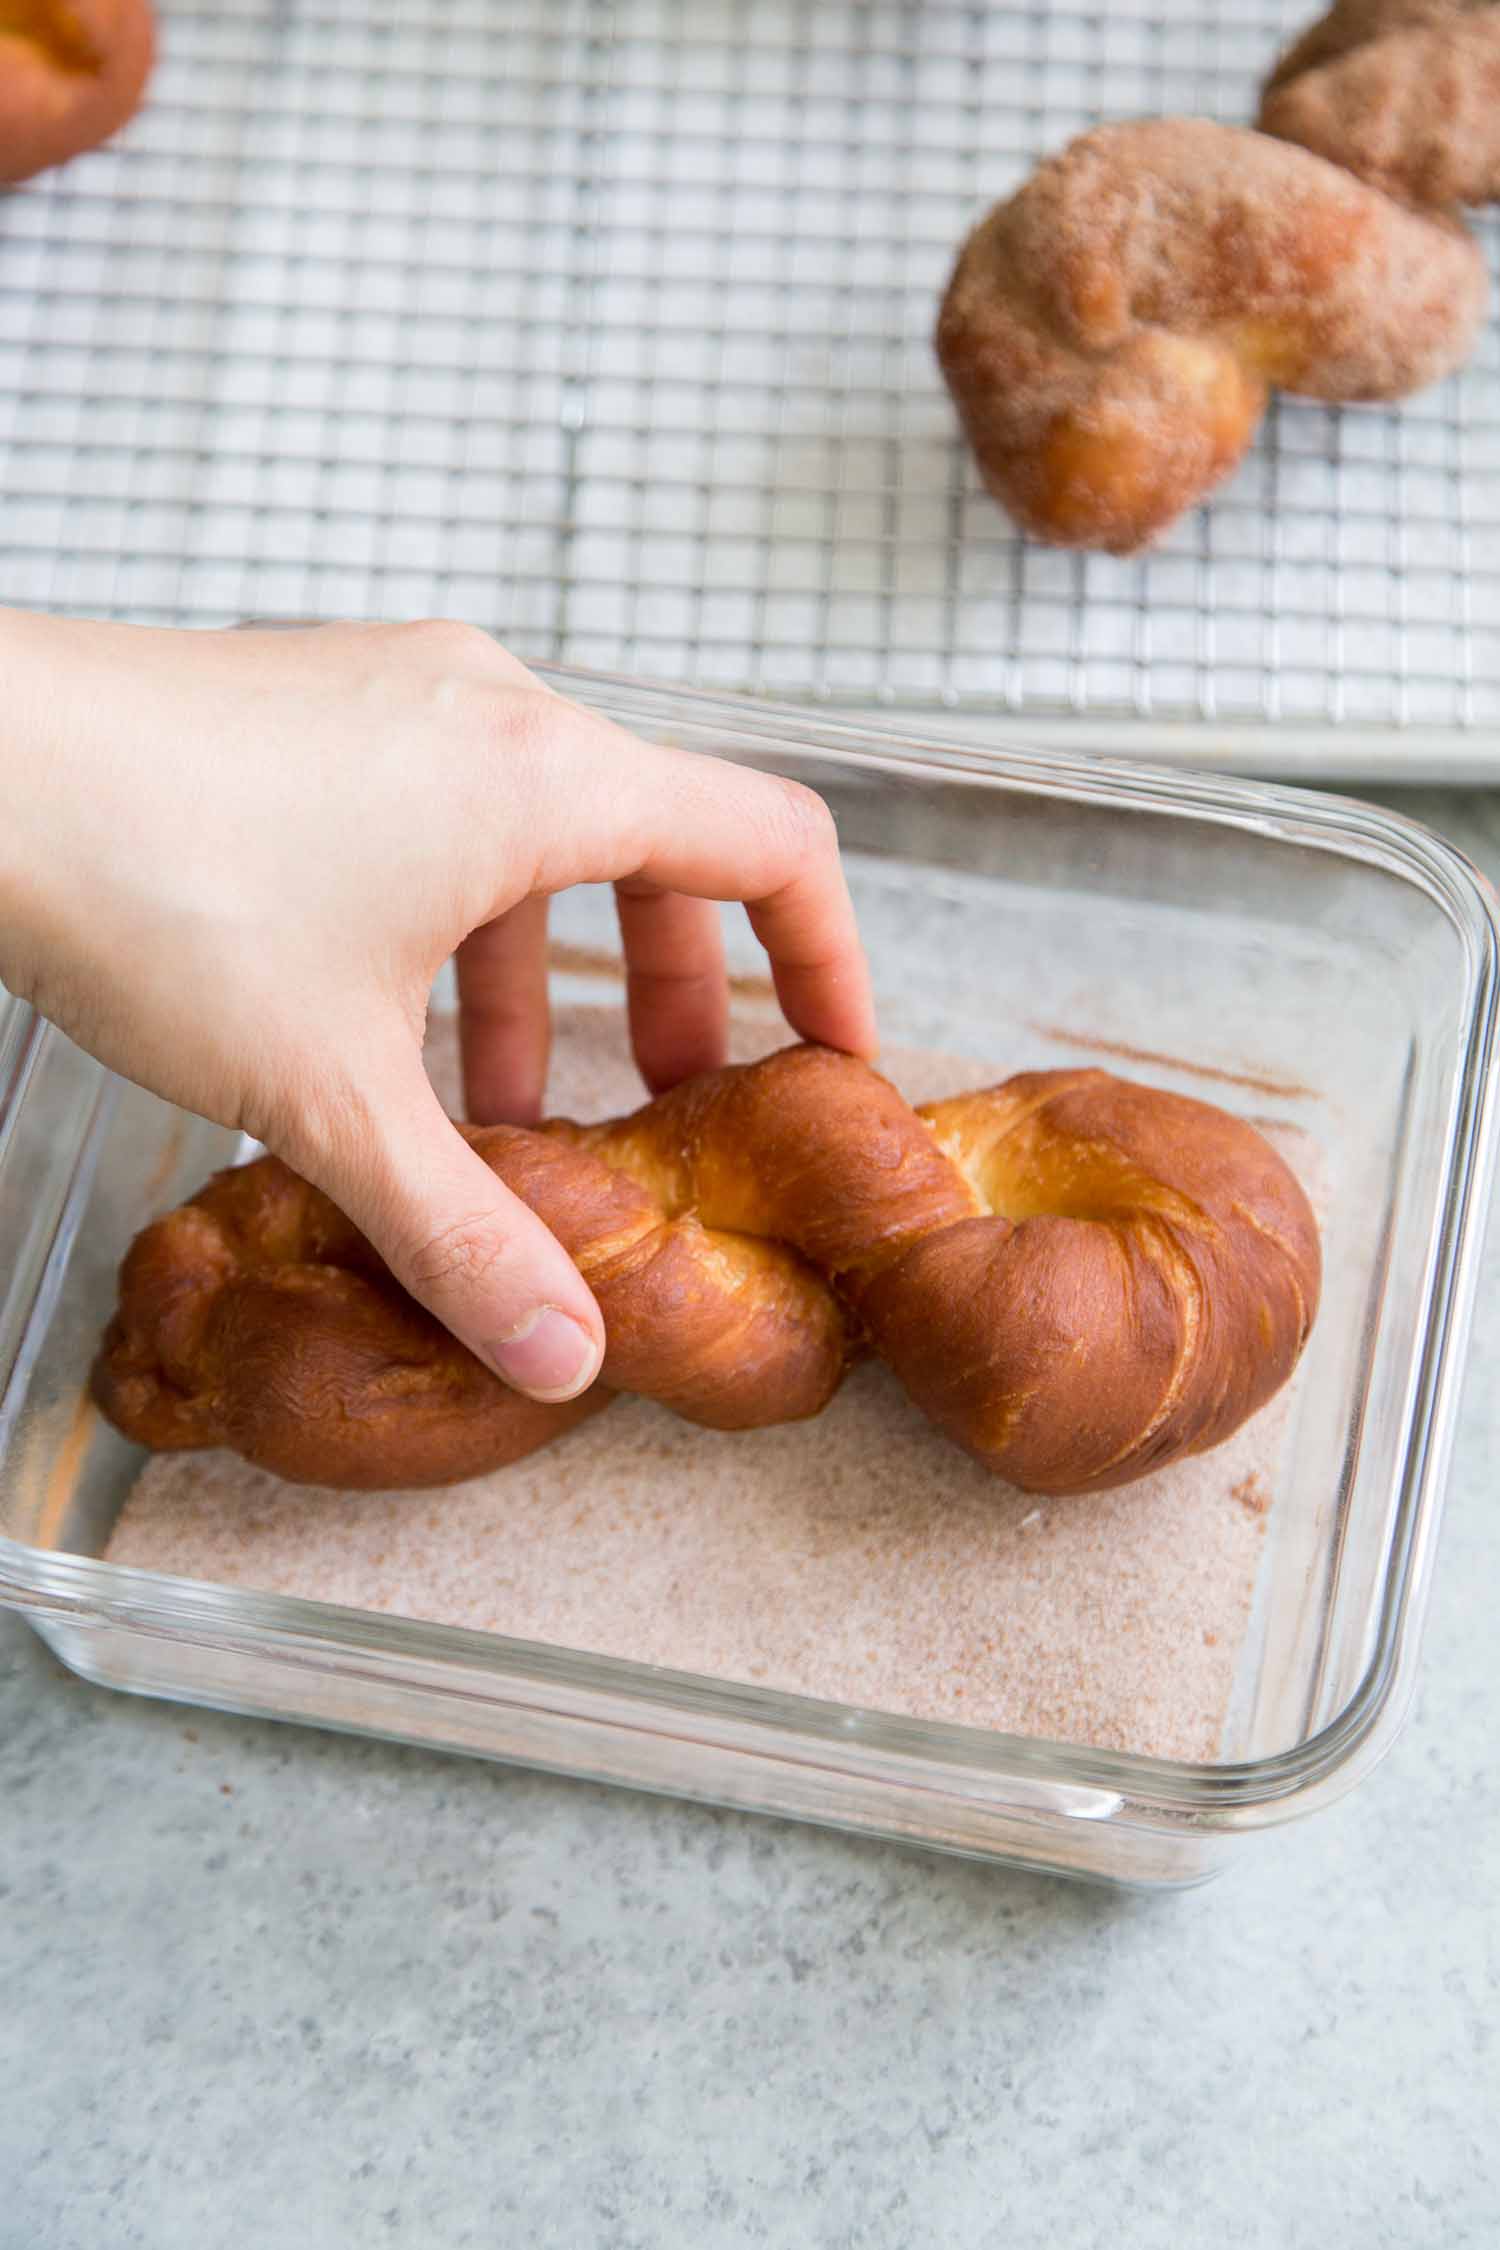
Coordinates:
<point>859,1556</point>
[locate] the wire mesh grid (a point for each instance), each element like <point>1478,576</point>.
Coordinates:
<point>607,325</point>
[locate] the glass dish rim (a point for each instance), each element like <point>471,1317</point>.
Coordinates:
<point>92,1590</point>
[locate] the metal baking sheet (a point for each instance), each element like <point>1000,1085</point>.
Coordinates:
<point>606,324</point>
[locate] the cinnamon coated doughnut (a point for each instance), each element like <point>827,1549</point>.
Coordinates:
<point>1404,92</point>
<point>1110,335</point>
<point>1077,1278</point>
<point>71,73</point>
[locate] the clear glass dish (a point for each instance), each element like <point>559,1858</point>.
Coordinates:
<point>1314,962</point>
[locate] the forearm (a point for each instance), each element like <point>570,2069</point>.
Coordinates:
<point>27,727</point>
<point>99,850</point>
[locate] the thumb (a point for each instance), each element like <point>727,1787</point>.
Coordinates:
<point>460,1242</point>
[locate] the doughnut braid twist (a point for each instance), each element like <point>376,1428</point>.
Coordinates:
<point>1079,1279</point>
<point>1112,333</point>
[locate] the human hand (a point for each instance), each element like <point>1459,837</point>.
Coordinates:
<point>233,863</point>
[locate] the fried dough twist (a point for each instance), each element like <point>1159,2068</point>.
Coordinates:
<point>1111,334</point>
<point>1079,1279</point>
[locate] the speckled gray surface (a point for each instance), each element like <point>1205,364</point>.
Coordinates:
<point>263,1986</point>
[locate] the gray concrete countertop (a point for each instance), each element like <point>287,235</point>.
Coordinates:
<point>264,1986</point>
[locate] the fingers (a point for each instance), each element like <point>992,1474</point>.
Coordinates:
<point>676,990</point>
<point>504,1025</point>
<point>621,809</point>
<point>676,997</point>
<point>818,964</point>
<point>775,846</point>
<point>452,1235</point>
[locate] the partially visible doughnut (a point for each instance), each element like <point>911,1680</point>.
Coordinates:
<point>1406,93</point>
<point>71,73</point>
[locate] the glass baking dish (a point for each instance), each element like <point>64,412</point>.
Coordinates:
<point>1318,964</point>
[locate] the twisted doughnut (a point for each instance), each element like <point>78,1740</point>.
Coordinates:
<point>71,73</point>
<point>1110,335</point>
<point>1077,1278</point>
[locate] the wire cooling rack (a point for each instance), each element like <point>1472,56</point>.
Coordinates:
<point>606,324</point>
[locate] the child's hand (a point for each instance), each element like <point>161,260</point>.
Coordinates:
<point>232,863</point>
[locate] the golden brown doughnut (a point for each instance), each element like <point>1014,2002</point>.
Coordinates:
<point>257,1318</point>
<point>1077,1278</point>
<point>71,73</point>
<point>1110,334</point>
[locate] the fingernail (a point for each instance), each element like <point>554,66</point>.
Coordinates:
<point>549,1357</point>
